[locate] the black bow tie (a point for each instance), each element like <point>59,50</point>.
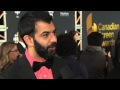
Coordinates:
<point>38,65</point>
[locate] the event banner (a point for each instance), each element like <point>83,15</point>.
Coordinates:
<point>105,22</point>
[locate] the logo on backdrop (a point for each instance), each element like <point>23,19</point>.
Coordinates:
<point>51,13</point>
<point>17,13</point>
<point>64,14</point>
<point>15,38</point>
<point>106,29</point>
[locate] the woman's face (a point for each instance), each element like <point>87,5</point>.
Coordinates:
<point>14,53</point>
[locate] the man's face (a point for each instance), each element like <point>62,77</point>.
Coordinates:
<point>45,39</point>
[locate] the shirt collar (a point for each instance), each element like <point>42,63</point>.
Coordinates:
<point>30,58</point>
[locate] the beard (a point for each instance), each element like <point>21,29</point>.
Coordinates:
<point>43,52</point>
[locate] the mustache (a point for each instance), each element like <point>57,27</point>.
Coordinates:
<point>52,45</point>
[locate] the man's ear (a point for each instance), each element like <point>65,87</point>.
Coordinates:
<point>28,40</point>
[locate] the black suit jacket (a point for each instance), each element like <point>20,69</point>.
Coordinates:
<point>21,49</point>
<point>58,64</point>
<point>65,68</point>
<point>21,69</point>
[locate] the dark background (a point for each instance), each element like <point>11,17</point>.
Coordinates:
<point>67,22</point>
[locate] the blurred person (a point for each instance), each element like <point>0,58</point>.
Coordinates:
<point>75,35</point>
<point>9,53</point>
<point>94,57</point>
<point>65,64</point>
<point>38,32</point>
<point>109,63</point>
<point>116,59</point>
<point>115,73</point>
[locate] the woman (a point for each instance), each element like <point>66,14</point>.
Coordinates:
<point>9,53</point>
<point>66,61</point>
<point>75,35</point>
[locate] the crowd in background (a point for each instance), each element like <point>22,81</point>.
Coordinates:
<point>59,56</point>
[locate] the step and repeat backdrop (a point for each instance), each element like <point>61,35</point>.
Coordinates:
<point>64,21</point>
<point>105,22</point>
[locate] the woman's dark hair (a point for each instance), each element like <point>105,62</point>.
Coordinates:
<point>65,45</point>
<point>72,33</point>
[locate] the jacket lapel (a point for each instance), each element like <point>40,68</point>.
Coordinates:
<point>25,69</point>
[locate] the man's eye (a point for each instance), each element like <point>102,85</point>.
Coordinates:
<point>45,35</point>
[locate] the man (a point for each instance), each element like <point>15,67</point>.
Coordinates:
<point>94,57</point>
<point>38,32</point>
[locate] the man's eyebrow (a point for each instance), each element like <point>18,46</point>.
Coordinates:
<point>45,32</point>
<point>49,31</point>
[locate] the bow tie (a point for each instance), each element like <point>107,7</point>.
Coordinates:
<point>38,65</point>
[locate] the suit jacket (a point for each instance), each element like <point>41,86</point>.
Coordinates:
<point>21,49</point>
<point>94,59</point>
<point>21,69</point>
<point>68,68</point>
<point>58,64</point>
